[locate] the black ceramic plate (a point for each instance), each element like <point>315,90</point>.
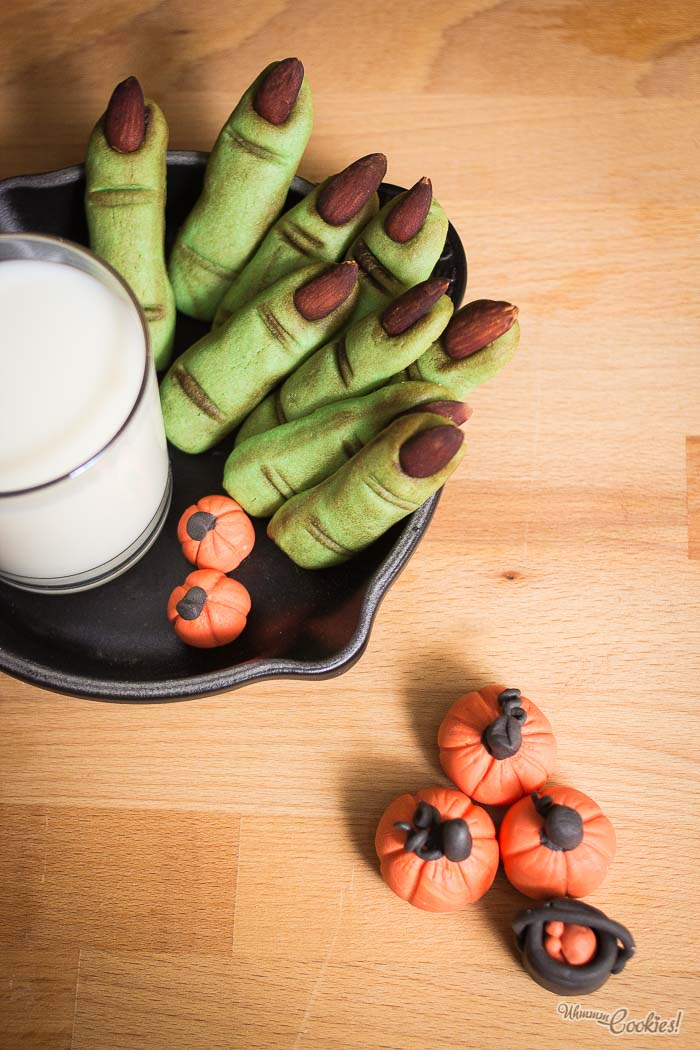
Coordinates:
<point>115,642</point>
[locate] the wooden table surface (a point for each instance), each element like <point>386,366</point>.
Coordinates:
<point>201,874</point>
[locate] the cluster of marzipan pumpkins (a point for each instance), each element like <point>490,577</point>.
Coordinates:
<point>438,848</point>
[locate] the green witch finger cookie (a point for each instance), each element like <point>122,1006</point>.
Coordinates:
<point>125,171</point>
<point>479,340</point>
<point>320,227</point>
<point>246,180</point>
<point>399,247</point>
<point>270,468</point>
<point>389,478</point>
<point>216,382</point>
<point>361,359</point>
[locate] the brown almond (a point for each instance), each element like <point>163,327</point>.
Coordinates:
<point>346,193</point>
<point>325,293</point>
<point>277,92</point>
<point>125,119</point>
<point>407,217</point>
<point>456,411</point>
<point>475,326</point>
<point>429,451</point>
<point>405,311</point>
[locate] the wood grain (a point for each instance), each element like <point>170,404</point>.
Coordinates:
<point>202,874</point>
<point>692,447</point>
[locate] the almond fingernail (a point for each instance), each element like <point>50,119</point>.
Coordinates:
<point>412,305</point>
<point>278,91</point>
<point>457,411</point>
<point>346,193</point>
<point>325,293</point>
<point>125,119</point>
<point>429,451</point>
<point>476,325</point>
<point>405,220</point>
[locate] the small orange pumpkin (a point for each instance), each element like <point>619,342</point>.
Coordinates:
<point>437,850</point>
<point>216,533</point>
<point>209,609</point>
<point>570,943</point>
<point>496,745</point>
<point>556,845</point>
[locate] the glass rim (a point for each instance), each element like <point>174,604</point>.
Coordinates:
<point>80,249</point>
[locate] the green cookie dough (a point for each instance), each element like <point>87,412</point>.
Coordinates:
<point>362,359</point>
<point>245,185</point>
<point>297,238</point>
<point>388,268</point>
<point>125,208</point>
<point>342,515</point>
<point>221,378</point>
<point>268,469</point>
<point>459,377</point>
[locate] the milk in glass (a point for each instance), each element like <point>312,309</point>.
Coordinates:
<point>83,461</point>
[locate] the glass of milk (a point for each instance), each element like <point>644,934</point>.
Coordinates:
<point>84,475</point>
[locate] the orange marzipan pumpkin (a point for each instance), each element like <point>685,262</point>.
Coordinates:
<point>496,745</point>
<point>437,850</point>
<point>216,533</point>
<point>556,845</point>
<point>209,609</point>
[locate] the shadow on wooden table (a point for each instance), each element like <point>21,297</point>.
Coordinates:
<point>430,685</point>
<point>368,786</point>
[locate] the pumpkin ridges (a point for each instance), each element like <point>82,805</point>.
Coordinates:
<point>466,879</point>
<point>542,874</point>
<point>524,757</point>
<point>568,796</point>
<point>480,821</point>
<point>465,745</point>
<point>214,549</point>
<point>581,881</point>
<point>199,632</point>
<point>476,742</point>
<point>401,809</point>
<point>484,855</point>
<point>245,532</point>
<point>223,613</point>
<point>521,815</point>
<point>449,802</point>
<point>399,870</point>
<point>437,884</point>
<point>206,618</point>
<point>591,833</point>
<point>221,505</point>
<point>223,606</point>
<point>477,768</point>
<point>462,713</point>
<point>538,869</point>
<point>419,879</point>
<point>440,881</point>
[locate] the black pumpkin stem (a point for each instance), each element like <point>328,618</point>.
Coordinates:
<point>200,524</point>
<point>563,826</point>
<point>191,604</point>
<point>430,837</point>
<point>503,737</point>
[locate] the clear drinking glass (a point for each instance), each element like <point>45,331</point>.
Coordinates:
<point>94,522</point>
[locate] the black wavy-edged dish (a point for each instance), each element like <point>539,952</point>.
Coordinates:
<point>114,642</point>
